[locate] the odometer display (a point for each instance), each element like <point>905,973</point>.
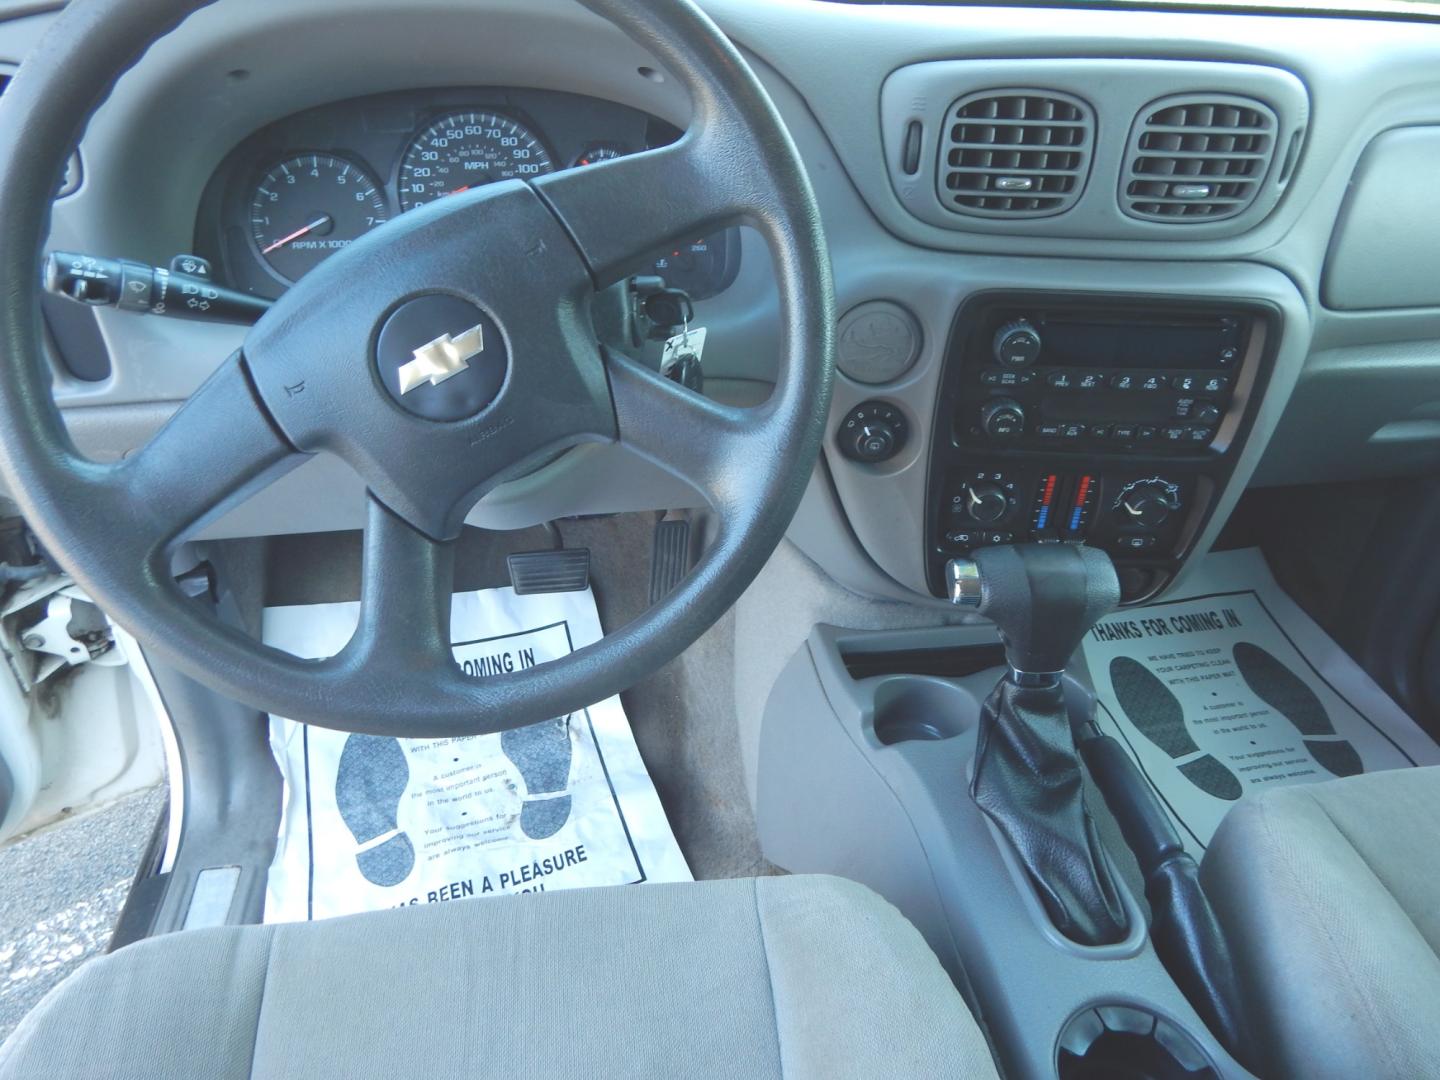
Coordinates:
<point>465,150</point>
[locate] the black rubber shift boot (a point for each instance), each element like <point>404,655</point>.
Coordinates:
<point>1028,781</point>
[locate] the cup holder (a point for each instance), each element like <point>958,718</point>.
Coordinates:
<point>911,708</point>
<point>1125,1042</point>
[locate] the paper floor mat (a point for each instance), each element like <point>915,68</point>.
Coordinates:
<point>1234,689</point>
<point>371,822</point>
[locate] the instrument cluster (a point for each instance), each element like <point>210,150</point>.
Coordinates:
<point>303,188</point>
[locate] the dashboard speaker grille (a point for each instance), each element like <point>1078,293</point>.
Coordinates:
<point>1197,158</point>
<point>1015,153</point>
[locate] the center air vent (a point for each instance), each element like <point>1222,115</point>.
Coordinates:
<point>1015,153</point>
<point>1197,157</point>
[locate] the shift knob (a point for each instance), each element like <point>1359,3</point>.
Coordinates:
<point>1043,597</point>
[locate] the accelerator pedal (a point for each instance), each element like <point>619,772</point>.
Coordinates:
<point>562,570</point>
<point>669,557</point>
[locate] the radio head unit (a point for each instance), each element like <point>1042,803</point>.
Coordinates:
<point>1138,379</point>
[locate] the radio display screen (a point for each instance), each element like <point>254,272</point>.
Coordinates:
<point>1198,345</point>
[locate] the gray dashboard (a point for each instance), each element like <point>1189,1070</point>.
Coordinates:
<point>1353,390</point>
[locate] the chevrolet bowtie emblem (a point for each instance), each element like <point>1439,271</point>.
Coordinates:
<point>441,359</point>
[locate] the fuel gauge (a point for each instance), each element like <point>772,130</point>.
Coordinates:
<point>600,151</point>
<point>698,266</point>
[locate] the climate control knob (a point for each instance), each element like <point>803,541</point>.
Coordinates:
<point>1017,344</point>
<point>1002,418</point>
<point>986,503</point>
<point>1147,504</point>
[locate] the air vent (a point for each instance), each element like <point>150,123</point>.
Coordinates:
<point>1015,153</point>
<point>1197,158</point>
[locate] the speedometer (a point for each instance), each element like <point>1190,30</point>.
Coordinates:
<point>467,149</point>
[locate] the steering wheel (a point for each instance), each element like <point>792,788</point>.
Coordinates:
<point>321,372</point>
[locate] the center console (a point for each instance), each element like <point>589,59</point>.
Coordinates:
<point>1113,422</point>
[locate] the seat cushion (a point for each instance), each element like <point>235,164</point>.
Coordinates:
<point>786,976</point>
<point>1330,896</point>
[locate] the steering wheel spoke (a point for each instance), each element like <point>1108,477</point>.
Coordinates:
<point>620,212</point>
<point>407,580</point>
<point>711,446</point>
<point>217,449</point>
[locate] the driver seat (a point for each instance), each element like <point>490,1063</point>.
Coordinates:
<point>768,977</point>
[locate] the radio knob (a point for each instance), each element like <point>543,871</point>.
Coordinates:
<point>1207,412</point>
<point>1002,418</point>
<point>1017,344</point>
<point>1147,504</point>
<point>986,503</point>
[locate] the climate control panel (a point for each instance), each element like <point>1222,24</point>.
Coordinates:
<point>1122,512</point>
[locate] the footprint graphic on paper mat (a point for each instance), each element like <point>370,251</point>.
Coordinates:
<point>1285,692</point>
<point>1159,716</point>
<point>542,754</point>
<point>372,777</point>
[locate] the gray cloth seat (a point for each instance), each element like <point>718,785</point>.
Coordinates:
<point>1330,896</point>
<point>786,976</point>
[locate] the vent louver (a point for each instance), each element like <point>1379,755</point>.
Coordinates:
<point>1197,158</point>
<point>1015,153</point>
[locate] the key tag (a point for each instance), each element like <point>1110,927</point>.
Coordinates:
<point>682,352</point>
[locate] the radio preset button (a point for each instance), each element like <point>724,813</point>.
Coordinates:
<point>1186,383</point>
<point>1091,381</point>
<point>1152,382</point>
<point>1060,380</point>
<point>995,377</point>
<point>1122,382</point>
<point>1216,384</point>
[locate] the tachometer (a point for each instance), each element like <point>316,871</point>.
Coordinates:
<point>467,149</point>
<point>308,207</point>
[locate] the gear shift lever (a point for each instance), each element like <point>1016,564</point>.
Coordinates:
<point>1028,778</point>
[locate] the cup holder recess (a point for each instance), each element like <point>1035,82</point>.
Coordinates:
<point>1127,1042</point>
<point>913,707</point>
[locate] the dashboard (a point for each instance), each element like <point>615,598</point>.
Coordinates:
<point>1138,251</point>
<point>302,188</point>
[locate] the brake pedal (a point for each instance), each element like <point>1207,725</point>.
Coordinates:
<point>563,570</point>
<point>669,557</point>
